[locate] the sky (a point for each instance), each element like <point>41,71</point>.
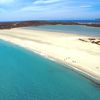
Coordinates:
<point>15,10</point>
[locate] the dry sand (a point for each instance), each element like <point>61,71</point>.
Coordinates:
<point>61,47</point>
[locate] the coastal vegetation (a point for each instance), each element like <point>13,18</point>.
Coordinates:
<point>9,25</point>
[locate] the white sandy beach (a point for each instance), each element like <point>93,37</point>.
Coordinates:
<point>61,47</point>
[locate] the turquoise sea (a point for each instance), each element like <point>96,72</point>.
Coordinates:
<point>74,29</point>
<point>28,76</point>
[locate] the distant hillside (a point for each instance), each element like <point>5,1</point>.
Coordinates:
<point>9,25</point>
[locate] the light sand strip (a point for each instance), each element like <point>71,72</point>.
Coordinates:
<point>61,47</point>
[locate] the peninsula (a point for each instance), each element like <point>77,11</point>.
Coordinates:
<point>81,53</point>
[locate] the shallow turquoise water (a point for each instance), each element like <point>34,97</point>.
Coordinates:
<point>27,76</point>
<point>75,29</point>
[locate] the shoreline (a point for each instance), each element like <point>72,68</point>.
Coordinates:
<point>66,65</point>
<point>45,48</point>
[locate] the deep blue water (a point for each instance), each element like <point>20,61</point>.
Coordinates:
<point>28,76</point>
<point>74,29</point>
<point>78,21</point>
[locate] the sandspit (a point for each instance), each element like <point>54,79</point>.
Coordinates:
<point>65,48</point>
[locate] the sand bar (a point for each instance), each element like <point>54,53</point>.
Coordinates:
<point>65,48</point>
